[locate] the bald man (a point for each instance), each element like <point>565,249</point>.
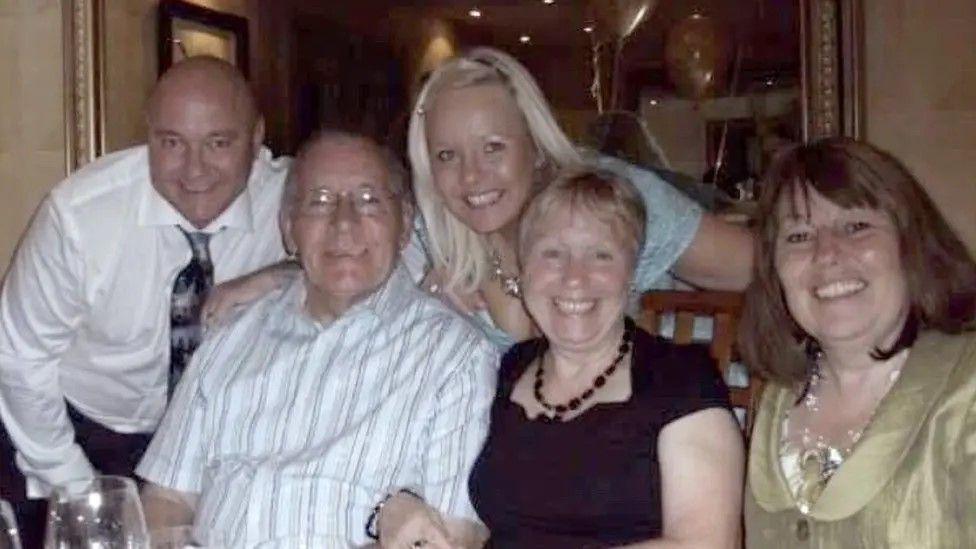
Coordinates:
<point>98,312</point>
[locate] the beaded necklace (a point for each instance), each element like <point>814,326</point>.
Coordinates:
<point>574,403</point>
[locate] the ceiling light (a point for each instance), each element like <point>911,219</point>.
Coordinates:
<point>653,102</point>
<point>588,28</point>
<point>770,81</point>
<point>474,12</point>
<point>548,1</point>
<point>525,39</point>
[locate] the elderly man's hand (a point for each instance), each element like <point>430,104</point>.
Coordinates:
<point>406,522</point>
<point>227,296</point>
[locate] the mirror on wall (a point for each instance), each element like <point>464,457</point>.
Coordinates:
<point>712,88</point>
<point>790,71</point>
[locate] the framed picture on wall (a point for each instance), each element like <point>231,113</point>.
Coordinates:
<point>187,29</point>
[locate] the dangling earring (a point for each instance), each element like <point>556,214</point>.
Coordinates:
<point>813,350</point>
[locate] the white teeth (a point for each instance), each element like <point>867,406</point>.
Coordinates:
<point>481,200</point>
<point>574,306</point>
<point>841,288</point>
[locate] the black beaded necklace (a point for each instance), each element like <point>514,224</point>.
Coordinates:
<point>600,380</point>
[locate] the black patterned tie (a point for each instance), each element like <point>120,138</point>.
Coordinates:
<point>189,291</point>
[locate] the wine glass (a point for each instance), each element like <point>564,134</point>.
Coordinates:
<point>101,513</point>
<point>9,537</point>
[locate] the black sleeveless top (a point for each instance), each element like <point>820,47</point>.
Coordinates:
<point>593,481</point>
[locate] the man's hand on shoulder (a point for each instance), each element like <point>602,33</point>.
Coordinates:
<point>227,296</point>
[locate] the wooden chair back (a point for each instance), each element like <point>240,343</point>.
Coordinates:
<point>725,309</point>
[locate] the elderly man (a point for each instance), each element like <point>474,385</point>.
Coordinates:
<point>98,311</point>
<point>321,397</point>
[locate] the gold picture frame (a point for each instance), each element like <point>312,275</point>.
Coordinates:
<point>831,68</point>
<point>83,34</point>
<point>186,29</point>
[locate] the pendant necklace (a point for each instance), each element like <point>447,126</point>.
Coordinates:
<point>510,283</point>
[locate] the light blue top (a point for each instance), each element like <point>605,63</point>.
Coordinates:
<point>672,221</point>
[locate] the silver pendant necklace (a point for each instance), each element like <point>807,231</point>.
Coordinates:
<point>511,284</point>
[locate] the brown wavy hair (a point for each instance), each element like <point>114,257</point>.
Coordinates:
<point>941,275</point>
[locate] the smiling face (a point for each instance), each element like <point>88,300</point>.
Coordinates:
<point>841,272</point>
<point>575,279</point>
<point>482,155</point>
<point>203,137</point>
<point>346,223</point>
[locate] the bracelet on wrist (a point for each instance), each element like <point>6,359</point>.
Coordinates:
<point>372,522</point>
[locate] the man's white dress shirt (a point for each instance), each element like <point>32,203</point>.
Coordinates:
<point>292,429</point>
<point>84,310</point>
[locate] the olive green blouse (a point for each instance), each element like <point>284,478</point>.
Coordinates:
<point>910,481</point>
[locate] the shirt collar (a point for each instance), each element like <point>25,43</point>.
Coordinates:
<point>382,306</point>
<point>884,445</point>
<point>154,210</point>
<point>388,302</point>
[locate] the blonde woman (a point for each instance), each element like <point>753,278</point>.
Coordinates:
<point>482,142</point>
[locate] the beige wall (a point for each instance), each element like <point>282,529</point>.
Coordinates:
<point>422,45</point>
<point>31,112</point>
<point>921,97</point>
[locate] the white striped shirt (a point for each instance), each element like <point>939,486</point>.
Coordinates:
<point>290,428</point>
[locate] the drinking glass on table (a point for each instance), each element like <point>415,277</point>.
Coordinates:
<point>101,513</point>
<point>9,536</point>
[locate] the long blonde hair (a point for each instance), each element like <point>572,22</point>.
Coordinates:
<point>462,252</point>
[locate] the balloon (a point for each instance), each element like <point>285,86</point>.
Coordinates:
<point>697,56</point>
<point>617,19</point>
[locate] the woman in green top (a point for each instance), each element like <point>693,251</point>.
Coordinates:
<point>860,314</point>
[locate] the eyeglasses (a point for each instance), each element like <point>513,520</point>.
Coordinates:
<point>366,201</point>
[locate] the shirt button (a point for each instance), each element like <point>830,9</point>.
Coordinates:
<point>802,529</point>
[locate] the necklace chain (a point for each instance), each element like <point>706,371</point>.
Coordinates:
<point>812,404</point>
<point>818,458</point>
<point>574,403</point>
<point>511,284</point>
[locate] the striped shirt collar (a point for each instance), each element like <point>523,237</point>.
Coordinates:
<point>383,305</point>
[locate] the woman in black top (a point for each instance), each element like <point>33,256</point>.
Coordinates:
<point>601,434</point>
<point>593,481</point>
